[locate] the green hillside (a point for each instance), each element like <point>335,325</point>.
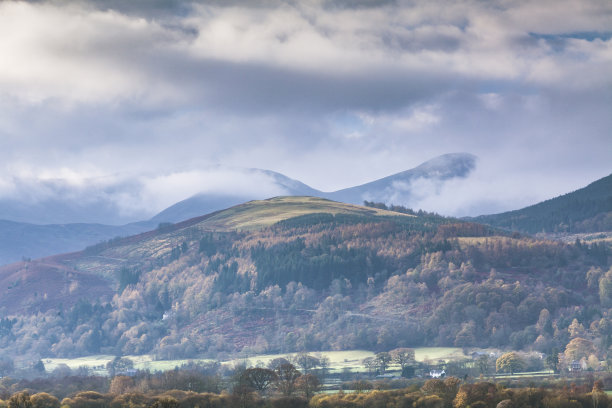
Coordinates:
<point>586,210</point>
<point>140,250</point>
<point>291,274</point>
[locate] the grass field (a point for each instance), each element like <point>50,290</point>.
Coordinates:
<point>545,373</point>
<point>258,214</point>
<point>338,360</point>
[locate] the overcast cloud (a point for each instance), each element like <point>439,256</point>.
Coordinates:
<point>332,93</point>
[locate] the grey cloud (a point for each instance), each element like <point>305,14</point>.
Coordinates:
<point>333,93</point>
<point>366,66</point>
<point>352,4</point>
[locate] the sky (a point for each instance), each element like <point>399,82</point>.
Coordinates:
<point>161,95</point>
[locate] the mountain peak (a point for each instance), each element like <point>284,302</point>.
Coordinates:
<point>449,165</point>
<point>399,188</point>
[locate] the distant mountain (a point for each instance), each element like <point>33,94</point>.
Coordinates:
<point>22,240</point>
<point>204,203</point>
<point>398,188</point>
<point>304,274</point>
<point>394,189</point>
<point>60,202</point>
<point>89,209</point>
<point>588,209</point>
<point>107,259</point>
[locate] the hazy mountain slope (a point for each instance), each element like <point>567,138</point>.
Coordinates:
<point>205,203</point>
<point>395,189</point>
<point>139,250</point>
<point>588,209</point>
<point>22,240</point>
<point>33,286</point>
<point>304,273</point>
<point>398,188</point>
<point>70,218</point>
<point>70,210</point>
<point>106,259</point>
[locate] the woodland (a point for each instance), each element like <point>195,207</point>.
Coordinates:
<point>338,282</point>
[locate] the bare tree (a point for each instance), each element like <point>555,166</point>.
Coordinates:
<point>370,364</point>
<point>258,378</point>
<point>306,362</point>
<point>277,362</point>
<point>287,375</point>
<point>403,356</point>
<point>383,359</point>
<point>309,384</point>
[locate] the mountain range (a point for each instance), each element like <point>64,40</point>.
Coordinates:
<point>584,211</point>
<point>22,236</point>
<point>304,274</point>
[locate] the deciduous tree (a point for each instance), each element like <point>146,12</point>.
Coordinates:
<point>579,348</point>
<point>509,362</point>
<point>383,359</point>
<point>287,375</point>
<point>20,400</point>
<point>308,384</point>
<point>258,378</point>
<point>44,400</point>
<point>403,356</point>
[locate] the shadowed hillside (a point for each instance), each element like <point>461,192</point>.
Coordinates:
<point>586,210</point>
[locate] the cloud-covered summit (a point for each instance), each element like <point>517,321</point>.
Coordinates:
<point>182,195</point>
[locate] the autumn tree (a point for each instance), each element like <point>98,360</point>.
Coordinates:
<point>20,400</point>
<point>308,384</point>
<point>44,400</point>
<point>121,384</point>
<point>445,389</point>
<point>579,348</point>
<point>165,401</point>
<point>87,399</point>
<point>605,289</point>
<point>575,329</point>
<point>598,394</point>
<point>509,362</point>
<point>131,400</point>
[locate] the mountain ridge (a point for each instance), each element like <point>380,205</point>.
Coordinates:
<point>305,273</point>
<point>440,168</point>
<point>128,252</point>
<point>588,209</point>
<point>33,241</point>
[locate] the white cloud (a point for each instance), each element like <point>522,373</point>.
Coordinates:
<point>160,192</point>
<point>333,96</point>
<point>419,119</point>
<point>78,54</point>
<point>74,54</point>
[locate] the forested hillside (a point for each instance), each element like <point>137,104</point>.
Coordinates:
<point>586,210</point>
<point>293,274</point>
